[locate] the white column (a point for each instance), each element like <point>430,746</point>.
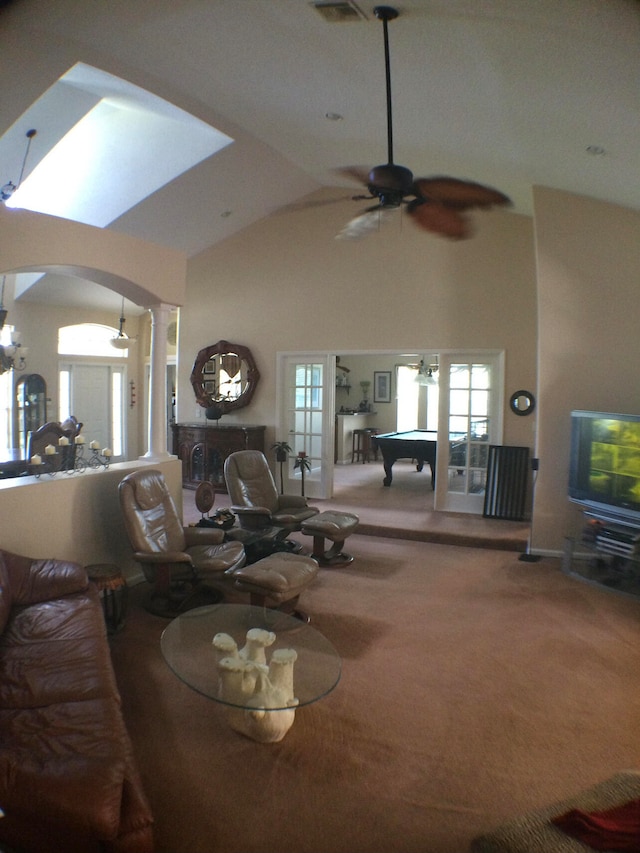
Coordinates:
<point>157,431</point>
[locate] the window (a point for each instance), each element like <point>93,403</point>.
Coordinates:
<point>6,401</point>
<point>410,397</point>
<point>88,339</point>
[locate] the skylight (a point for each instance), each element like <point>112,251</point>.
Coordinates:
<point>112,144</point>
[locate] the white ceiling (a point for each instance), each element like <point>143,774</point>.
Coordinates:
<point>511,93</point>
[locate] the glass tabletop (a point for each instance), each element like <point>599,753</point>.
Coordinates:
<point>250,657</point>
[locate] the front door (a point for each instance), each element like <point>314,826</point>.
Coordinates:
<point>95,396</point>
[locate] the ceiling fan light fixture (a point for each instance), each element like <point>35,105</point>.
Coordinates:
<point>426,374</point>
<point>434,204</point>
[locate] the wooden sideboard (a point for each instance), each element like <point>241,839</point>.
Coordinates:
<point>203,448</point>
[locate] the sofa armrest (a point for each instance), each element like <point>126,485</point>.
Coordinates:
<point>32,580</point>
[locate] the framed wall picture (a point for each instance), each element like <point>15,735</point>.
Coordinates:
<point>382,386</point>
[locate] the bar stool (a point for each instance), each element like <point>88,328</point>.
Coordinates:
<point>362,446</point>
<point>113,590</point>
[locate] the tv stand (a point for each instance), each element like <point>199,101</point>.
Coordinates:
<point>606,552</point>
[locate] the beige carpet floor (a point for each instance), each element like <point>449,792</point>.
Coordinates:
<point>474,686</point>
<point>403,510</point>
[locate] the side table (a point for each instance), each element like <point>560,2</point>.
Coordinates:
<point>113,590</point>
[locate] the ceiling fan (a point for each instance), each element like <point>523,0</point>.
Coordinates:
<point>437,204</point>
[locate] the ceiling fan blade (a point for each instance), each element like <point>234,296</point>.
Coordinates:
<point>366,223</point>
<point>360,174</point>
<point>440,219</point>
<point>295,206</point>
<point>458,194</point>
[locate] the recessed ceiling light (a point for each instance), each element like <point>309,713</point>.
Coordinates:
<point>596,150</point>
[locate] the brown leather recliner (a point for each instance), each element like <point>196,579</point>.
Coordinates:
<point>255,498</point>
<point>176,560</point>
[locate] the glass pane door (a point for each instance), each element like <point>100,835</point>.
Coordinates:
<point>306,416</point>
<point>471,403</point>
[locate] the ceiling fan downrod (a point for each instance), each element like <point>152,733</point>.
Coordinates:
<point>389,182</point>
<point>386,14</point>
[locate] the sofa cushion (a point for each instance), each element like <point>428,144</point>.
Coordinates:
<point>51,652</point>
<point>40,580</point>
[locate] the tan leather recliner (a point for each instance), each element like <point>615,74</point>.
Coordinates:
<point>176,560</point>
<point>255,498</point>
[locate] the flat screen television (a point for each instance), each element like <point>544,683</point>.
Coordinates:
<point>604,467</point>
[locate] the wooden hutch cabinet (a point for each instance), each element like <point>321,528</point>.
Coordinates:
<point>203,448</point>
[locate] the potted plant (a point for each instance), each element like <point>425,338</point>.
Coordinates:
<point>282,449</point>
<point>302,462</point>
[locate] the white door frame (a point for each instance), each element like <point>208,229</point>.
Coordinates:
<point>321,485</point>
<point>318,481</point>
<point>444,499</point>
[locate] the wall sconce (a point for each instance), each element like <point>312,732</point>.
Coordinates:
<point>12,356</point>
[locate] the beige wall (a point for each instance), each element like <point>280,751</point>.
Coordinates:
<point>143,272</point>
<point>588,256</point>
<point>75,516</point>
<point>563,309</point>
<point>285,284</point>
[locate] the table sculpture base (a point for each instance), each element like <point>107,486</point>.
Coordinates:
<point>260,695</point>
<point>221,652</point>
<point>260,725</point>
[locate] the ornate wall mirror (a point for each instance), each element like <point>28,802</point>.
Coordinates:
<point>224,376</point>
<point>522,402</point>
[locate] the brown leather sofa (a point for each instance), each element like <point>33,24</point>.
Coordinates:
<point>68,780</point>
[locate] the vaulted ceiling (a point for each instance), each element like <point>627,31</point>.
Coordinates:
<point>508,93</point>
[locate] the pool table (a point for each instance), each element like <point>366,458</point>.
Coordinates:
<point>418,444</point>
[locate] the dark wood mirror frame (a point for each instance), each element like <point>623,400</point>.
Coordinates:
<point>522,402</point>
<point>201,378</point>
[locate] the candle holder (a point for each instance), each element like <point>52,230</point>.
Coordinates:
<point>46,466</point>
<point>70,459</point>
<point>96,460</point>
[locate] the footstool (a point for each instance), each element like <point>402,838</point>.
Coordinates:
<point>336,526</point>
<point>534,832</point>
<point>279,578</point>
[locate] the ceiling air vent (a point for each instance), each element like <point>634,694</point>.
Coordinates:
<point>339,11</point>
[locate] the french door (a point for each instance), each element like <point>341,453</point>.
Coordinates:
<point>470,419</point>
<point>306,408</point>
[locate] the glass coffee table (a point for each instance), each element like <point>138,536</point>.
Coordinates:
<point>261,663</point>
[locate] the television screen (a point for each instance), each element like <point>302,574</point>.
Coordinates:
<point>604,469</point>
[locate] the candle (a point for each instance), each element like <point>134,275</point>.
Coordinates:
<point>94,445</point>
<point>63,441</point>
<point>106,451</point>
<point>36,459</point>
<point>50,450</point>
<point>80,439</point>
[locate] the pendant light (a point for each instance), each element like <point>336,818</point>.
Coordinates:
<point>9,188</point>
<point>121,341</point>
